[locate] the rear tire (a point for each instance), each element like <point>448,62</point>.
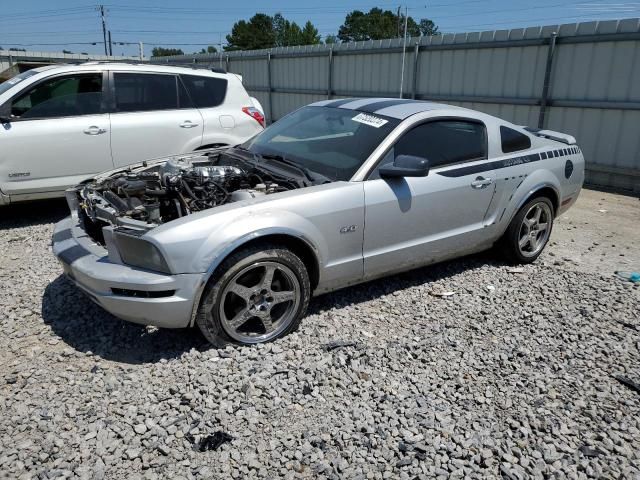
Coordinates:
<point>257,295</point>
<point>529,231</point>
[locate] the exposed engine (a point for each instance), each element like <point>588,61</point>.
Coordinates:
<point>147,196</point>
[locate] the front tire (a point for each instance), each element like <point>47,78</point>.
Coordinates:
<point>257,295</point>
<point>529,231</point>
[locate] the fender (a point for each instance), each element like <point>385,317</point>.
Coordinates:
<point>218,255</point>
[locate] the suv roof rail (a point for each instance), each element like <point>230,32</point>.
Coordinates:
<point>194,66</point>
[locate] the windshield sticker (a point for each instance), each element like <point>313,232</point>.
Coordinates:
<point>370,120</point>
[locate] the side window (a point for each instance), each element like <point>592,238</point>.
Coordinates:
<point>513,141</point>
<point>445,141</point>
<point>206,92</point>
<point>65,96</point>
<point>143,92</point>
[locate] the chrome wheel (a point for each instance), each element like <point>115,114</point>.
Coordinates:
<point>535,229</point>
<point>259,302</point>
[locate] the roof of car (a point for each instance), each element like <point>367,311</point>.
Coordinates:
<point>391,107</point>
<point>143,67</point>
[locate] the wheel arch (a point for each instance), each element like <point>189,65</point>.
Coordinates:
<point>545,190</point>
<point>299,245</point>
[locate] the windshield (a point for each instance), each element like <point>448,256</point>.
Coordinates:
<point>6,85</point>
<point>333,142</point>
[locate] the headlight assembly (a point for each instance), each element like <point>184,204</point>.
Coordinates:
<point>137,252</point>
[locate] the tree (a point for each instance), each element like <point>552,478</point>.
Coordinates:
<point>330,39</point>
<point>13,49</point>
<point>378,24</point>
<point>165,52</point>
<point>264,31</point>
<point>427,27</point>
<point>309,34</point>
<point>210,49</point>
<point>257,33</point>
<point>67,51</point>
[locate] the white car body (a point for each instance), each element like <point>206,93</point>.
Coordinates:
<point>43,155</point>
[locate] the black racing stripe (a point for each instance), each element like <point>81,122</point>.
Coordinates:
<point>373,107</point>
<point>72,254</point>
<point>61,236</point>
<point>494,165</point>
<point>337,103</point>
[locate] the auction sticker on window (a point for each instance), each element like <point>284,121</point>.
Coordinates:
<point>370,120</point>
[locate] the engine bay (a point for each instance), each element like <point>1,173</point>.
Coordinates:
<point>148,195</point>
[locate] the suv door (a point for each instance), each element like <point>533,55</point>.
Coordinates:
<point>57,137</point>
<point>152,116</point>
<point>414,221</point>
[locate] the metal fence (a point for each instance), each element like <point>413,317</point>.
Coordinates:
<point>582,79</point>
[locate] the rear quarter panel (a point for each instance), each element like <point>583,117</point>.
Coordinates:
<point>548,164</point>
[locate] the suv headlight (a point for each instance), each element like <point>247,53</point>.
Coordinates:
<point>137,252</point>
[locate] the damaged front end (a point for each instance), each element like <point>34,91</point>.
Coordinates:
<point>144,196</point>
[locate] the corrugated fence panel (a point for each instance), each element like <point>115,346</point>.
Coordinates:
<point>593,91</point>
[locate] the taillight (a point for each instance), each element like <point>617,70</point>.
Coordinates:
<point>255,114</point>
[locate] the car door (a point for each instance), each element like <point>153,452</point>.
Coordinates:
<point>414,221</point>
<point>152,116</point>
<point>58,135</point>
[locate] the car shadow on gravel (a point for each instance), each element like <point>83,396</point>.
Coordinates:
<point>28,214</point>
<point>86,327</point>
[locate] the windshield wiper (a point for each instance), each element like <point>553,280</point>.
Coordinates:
<point>281,159</point>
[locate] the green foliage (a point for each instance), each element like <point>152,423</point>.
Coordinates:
<point>378,24</point>
<point>210,49</point>
<point>264,31</point>
<point>257,33</point>
<point>165,52</point>
<point>331,39</point>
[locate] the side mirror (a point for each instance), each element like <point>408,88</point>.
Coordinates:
<point>5,113</point>
<point>405,166</point>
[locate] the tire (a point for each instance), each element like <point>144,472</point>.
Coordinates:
<point>524,240</point>
<point>241,305</point>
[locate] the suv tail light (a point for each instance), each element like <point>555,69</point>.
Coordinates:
<point>255,114</point>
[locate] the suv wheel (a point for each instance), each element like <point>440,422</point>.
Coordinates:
<point>529,231</point>
<point>257,295</point>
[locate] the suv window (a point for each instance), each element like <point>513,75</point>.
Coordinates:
<point>444,141</point>
<point>205,91</point>
<point>141,92</point>
<point>64,96</point>
<point>513,141</point>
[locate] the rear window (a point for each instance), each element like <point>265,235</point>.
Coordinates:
<point>513,141</point>
<point>140,92</point>
<point>205,92</point>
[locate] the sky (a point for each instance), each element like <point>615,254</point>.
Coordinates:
<point>74,25</point>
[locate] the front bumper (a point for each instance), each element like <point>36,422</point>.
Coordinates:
<point>87,264</point>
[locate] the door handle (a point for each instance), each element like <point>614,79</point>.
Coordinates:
<point>188,124</point>
<point>95,130</point>
<point>481,182</point>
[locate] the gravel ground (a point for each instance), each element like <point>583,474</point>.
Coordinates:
<point>513,376</point>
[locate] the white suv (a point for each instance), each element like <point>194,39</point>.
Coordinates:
<point>62,124</point>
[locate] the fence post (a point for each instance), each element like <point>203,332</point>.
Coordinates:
<point>269,86</point>
<point>330,74</point>
<point>226,63</point>
<point>544,99</point>
<point>416,53</point>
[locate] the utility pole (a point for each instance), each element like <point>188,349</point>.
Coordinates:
<point>104,27</point>
<point>404,47</point>
<point>141,49</point>
<point>398,23</point>
<point>110,45</point>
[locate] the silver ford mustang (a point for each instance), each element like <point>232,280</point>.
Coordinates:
<point>238,239</point>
